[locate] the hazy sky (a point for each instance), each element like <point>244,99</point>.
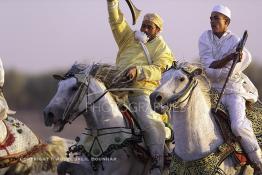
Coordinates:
<point>41,35</point>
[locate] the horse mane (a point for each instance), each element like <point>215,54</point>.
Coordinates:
<point>110,75</point>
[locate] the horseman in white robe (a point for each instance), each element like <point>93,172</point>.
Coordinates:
<point>217,50</point>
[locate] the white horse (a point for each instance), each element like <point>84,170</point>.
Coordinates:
<point>108,137</point>
<point>22,152</point>
<point>200,148</point>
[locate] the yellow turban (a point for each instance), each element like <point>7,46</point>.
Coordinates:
<point>155,18</point>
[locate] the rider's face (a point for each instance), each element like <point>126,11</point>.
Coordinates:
<point>150,29</point>
<point>219,23</point>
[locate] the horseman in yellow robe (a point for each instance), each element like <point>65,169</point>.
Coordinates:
<point>145,55</point>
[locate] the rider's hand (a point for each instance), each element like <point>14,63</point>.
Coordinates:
<point>235,55</point>
<point>218,64</point>
<point>131,73</point>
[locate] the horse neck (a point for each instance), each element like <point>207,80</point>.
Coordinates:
<point>105,112</point>
<point>195,133</point>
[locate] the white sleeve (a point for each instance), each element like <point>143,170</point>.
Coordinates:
<point>246,60</point>
<point>206,56</point>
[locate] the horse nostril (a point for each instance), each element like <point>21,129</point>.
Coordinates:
<point>158,98</point>
<point>50,115</point>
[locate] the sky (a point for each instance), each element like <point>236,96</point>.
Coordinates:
<point>43,35</point>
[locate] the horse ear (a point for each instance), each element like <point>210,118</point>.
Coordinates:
<point>58,77</point>
<point>196,72</point>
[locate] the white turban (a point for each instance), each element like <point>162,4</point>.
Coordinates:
<point>222,9</point>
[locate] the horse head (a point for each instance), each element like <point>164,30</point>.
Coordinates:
<point>84,90</point>
<point>66,102</point>
<point>176,87</point>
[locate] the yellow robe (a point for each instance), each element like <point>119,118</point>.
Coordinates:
<point>131,53</point>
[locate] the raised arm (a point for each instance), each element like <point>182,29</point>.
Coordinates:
<point>120,28</point>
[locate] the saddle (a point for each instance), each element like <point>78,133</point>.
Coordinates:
<point>253,113</point>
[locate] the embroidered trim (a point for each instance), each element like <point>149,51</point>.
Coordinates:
<point>208,165</point>
<point>15,158</point>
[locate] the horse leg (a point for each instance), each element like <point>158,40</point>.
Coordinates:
<point>71,168</point>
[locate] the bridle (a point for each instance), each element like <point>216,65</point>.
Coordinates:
<point>83,82</point>
<point>186,93</point>
<point>71,108</point>
<point>72,105</point>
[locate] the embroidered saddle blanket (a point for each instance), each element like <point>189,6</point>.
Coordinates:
<point>17,142</point>
<point>254,114</point>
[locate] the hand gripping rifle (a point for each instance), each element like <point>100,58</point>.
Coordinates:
<point>239,49</point>
<point>134,11</point>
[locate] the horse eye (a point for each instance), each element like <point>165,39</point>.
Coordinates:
<point>182,79</point>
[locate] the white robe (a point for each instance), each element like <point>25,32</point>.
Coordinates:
<point>212,48</point>
<point>238,89</point>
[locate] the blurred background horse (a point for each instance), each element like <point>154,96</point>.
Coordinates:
<point>22,152</point>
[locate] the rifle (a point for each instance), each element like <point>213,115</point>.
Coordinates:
<point>134,11</point>
<point>239,49</point>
